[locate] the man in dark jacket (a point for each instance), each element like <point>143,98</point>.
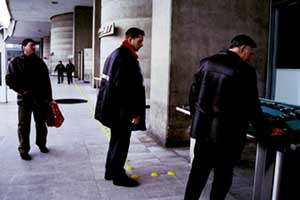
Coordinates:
<point>70,69</point>
<point>28,76</point>
<point>223,100</point>
<point>60,68</point>
<point>121,104</point>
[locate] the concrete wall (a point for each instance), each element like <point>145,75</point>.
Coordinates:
<point>83,18</point>
<point>126,14</point>
<point>61,44</point>
<point>198,29</point>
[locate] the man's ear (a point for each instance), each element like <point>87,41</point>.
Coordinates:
<point>129,39</point>
<point>242,48</point>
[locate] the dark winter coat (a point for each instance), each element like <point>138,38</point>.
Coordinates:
<point>70,68</point>
<point>30,75</point>
<point>60,68</point>
<point>121,94</point>
<point>223,99</point>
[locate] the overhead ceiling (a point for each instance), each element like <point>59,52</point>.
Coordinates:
<point>33,16</point>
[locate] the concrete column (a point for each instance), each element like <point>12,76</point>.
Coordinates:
<point>3,66</point>
<point>87,63</point>
<point>125,14</point>
<point>185,32</point>
<point>61,44</point>
<point>83,19</point>
<point>96,41</point>
<point>46,50</point>
<point>160,69</point>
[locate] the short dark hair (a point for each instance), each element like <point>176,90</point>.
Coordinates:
<point>242,39</point>
<point>134,32</point>
<point>26,41</point>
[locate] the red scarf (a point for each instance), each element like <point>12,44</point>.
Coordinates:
<point>126,44</point>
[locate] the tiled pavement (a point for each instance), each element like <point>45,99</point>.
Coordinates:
<point>74,167</point>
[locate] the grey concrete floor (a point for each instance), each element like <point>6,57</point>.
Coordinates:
<point>74,167</point>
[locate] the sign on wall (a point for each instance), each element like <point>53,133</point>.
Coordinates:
<point>106,30</point>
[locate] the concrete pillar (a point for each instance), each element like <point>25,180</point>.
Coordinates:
<point>87,63</point>
<point>183,32</point>
<point>61,44</point>
<point>3,66</point>
<point>46,50</point>
<point>125,14</point>
<point>96,41</point>
<point>160,69</point>
<point>83,18</point>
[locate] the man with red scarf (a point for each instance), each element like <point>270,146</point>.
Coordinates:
<point>121,104</point>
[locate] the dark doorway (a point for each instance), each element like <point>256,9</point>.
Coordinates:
<point>284,64</point>
<point>288,36</point>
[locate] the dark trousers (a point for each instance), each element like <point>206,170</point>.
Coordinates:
<point>25,111</point>
<point>60,77</point>
<point>117,151</point>
<point>208,156</point>
<point>70,78</point>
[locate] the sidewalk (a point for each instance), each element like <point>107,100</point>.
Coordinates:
<point>74,167</point>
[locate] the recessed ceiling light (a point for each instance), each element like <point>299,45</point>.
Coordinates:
<point>54,2</point>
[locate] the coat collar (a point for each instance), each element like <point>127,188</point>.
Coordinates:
<point>126,44</point>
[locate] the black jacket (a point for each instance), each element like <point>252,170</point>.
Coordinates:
<point>223,99</point>
<point>29,74</point>
<point>121,94</point>
<point>70,68</point>
<point>60,68</point>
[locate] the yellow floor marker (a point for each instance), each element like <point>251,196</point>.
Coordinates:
<point>129,168</point>
<point>154,174</point>
<point>171,173</point>
<point>135,176</point>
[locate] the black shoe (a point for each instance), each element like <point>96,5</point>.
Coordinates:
<point>25,156</point>
<point>108,176</point>
<point>126,182</point>
<point>44,149</point>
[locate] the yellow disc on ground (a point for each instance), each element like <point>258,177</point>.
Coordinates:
<point>171,173</point>
<point>129,168</point>
<point>135,176</point>
<point>127,161</point>
<point>154,174</point>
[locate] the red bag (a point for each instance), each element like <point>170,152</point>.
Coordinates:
<point>54,115</point>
